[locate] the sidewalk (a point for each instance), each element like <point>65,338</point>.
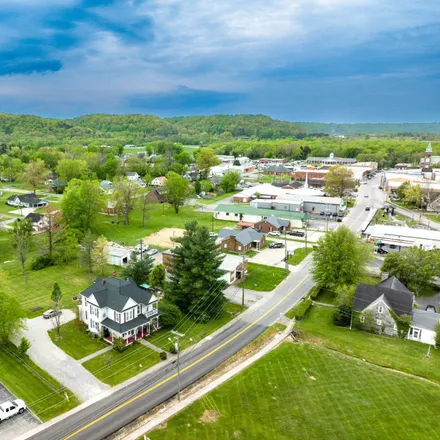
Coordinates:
<point>93,355</point>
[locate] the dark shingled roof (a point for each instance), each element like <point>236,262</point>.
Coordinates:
<point>34,216</point>
<point>26,198</point>
<point>129,325</point>
<point>244,236</point>
<point>114,293</point>
<point>394,293</point>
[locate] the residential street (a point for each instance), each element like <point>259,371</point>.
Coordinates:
<point>106,416</point>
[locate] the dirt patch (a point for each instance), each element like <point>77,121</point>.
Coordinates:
<point>210,416</point>
<point>164,238</point>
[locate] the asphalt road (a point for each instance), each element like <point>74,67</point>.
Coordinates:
<point>106,416</point>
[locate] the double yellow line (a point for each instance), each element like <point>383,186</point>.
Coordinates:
<point>149,390</point>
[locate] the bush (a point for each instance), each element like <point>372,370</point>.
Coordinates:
<point>171,314</point>
<point>172,349</point>
<point>437,334</point>
<point>299,311</point>
<point>24,346</point>
<point>118,345</point>
<point>314,292</point>
<point>163,356</point>
<point>42,262</point>
<point>342,315</point>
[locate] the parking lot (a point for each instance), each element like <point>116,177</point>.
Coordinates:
<point>19,424</point>
<point>275,257</point>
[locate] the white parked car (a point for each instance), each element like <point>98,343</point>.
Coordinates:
<point>152,252</point>
<point>9,409</point>
<point>276,233</point>
<point>213,234</point>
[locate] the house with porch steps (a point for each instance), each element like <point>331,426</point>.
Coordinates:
<point>116,308</point>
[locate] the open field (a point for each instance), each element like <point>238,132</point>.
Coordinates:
<point>164,237</point>
<point>193,330</point>
<point>113,367</point>
<point>74,341</point>
<point>41,392</point>
<point>190,150</point>
<point>309,393</point>
<point>399,354</point>
<point>263,278</point>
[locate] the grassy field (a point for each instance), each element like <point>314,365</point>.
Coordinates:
<point>113,368</point>
<point>309,393</point>
<point>189,150</point>
<point>131,234</point>
<point>193,330</point>
<point>74,340</point>
<point>263,278</point>
<point>41,392</point>
<point>407,356</point>
<point>299,255</point>
<point>217,198</point>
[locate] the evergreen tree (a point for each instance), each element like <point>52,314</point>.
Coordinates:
<point>139,269</point>
<point>195,286</point>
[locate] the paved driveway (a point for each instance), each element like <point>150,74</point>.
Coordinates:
<point>58,364</point>
<point>19,424</point>
<point>275,257</point>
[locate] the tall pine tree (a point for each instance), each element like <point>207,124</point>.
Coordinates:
<point>195,285</point>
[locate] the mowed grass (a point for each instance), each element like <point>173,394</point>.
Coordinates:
<point>194,331</point>
<point>113,367</point>
<point>41,392</point>
<point>298,255</point>
<point>217,198</point>
<point>263,278</point>
<point>399,354</point>
<point>74,341</point>
<point>131,234</point>
<point>309,393</point>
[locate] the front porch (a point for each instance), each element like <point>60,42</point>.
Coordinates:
<point>132,335</point>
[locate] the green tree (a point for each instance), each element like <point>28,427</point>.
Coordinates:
<point>195,284</point>
<point>183,158</point>
<point>177,189</point>
<point>68,169</point>
<point>11,317</point>
<point>230,180</point>
<point>81,203</point>
<point>21,237</point>
<point>56,298</point>
<point>339,181</point>
<point>400,191</point>
<point>342,315</point>
<point>197,187</point>
<point>138,269</point>
<point>414,267</point>
<point>206,159</point>
<point>24,346</point>
<point>437,334</point>
<point>157,276</point>
<point>340,259</point>
<point>67,247</point>
<point>87,244</point>
<point>100,255</point>
<point>35,173</point>
<point>170,314</point>
<point>413,195</point>
<point>124,197</point>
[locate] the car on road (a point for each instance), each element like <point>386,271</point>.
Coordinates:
<point>367,208</point>
<point>276,233</point>
<point>366,196</point>
<point>339,219</point>
<point>213,234</point>
<point>138,249</point>
<point>297,233</point>
<point>379,250</point>
<point>393,246</point>
<point>48,314</point>
<point>276,245</point>
<point>152,252</point>
<point>322,213</point>
<point>431,308</point>
<point>9,409</point>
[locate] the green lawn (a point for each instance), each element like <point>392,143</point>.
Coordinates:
<point>4,208</point>
<point>131,234</point>
<point>74,340</point>
<point>41,392</point>
<point>399,354</point>
<point>434,218</point>
<point>309,393</point>
<point>217,198</point>
<point>113,367</point>
<point>193,330</point>
<point>299,255</point>
<point>190,150</point>
<point>263,278</point>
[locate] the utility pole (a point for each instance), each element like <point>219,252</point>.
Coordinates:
<point>212,223</point>
<point>176,341</point>
<point>140,242</point>
<point>285,253</point>
<point>327,214</point>
<point>305,224</point>
<point>243,274</point>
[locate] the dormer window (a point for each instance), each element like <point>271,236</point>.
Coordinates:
<point>380,309</point>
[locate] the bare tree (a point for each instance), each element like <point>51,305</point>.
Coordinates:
<point>56,298</point>
<point>126,192</point>
<point>21,237</point>
<point>143,202</point>
<point>54,226</point>
<point>99,255</point>
<point>87,245</point>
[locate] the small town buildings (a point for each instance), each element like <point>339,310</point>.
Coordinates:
<point>240,241</point>
<point>107,186</point>
<point>266,160</point>
<point>26,201</point>
<point>193,176</point>
<point>263,191</point>
<point>233,267</point>
<point>423,326</point>
<point>331,160</point>
<point>403,236</point>
<point>156,195</point>
<point>159,181</point>
<point>429,161</point>
<point>402,166</point>
<point>116,308</point>
<point>118,255</point>
<point>134,177</point>
<point>272,224</point>
<point>277,169</point>
<point>39,221</point>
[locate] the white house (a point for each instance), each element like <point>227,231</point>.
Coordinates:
<point>159,181</point>
<point>232,266</point>
<point>116,308</point>
<point>118,255</point>
<point>134,177</point>
<point>39,221</point>
<point>26,201</point>
<point>423,326</point>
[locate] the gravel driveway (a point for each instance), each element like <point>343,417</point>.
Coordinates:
<point>58,364</point>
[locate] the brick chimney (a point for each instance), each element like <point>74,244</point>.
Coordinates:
<point>102,282</point>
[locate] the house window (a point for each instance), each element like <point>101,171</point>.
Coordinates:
<point>239,248</point>
<point>362,318</point>
<point>227,213</point>
<point>378,321</point>
<point>97,313</point>
<point>417,333</point>
<point>380,309</point>
<point>138,309</point>
<point>225,245</point>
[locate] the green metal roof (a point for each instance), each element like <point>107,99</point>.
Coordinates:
<point>259,211</point>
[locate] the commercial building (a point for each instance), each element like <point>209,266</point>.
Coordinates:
<point>331,160</point>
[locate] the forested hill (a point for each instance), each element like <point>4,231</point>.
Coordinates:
<point>398,129</point>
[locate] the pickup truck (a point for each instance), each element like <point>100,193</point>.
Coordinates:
<point>9,409</point>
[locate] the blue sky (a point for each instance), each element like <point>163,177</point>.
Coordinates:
<point>298,60</point>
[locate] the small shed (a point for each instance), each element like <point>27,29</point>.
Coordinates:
<point>118,255</point>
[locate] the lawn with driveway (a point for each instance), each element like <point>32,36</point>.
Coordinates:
<point>310,393</point>
<point>74,340</point>
<point>113,367</point>
<point>263,278</point>
<point>41,392</point>
<point>298,255</point>
<point>217,198</point>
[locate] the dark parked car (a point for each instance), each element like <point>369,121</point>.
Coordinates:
<point>51,313</point>
<point>431,308</point>
<point>322,213</point>
<point>367,208</point>
<point>381,251</point>
<point>276,245</point>
<point>393,246</point>
<point>297,233</point>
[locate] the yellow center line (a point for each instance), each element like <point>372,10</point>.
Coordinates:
<point>149,390</point>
